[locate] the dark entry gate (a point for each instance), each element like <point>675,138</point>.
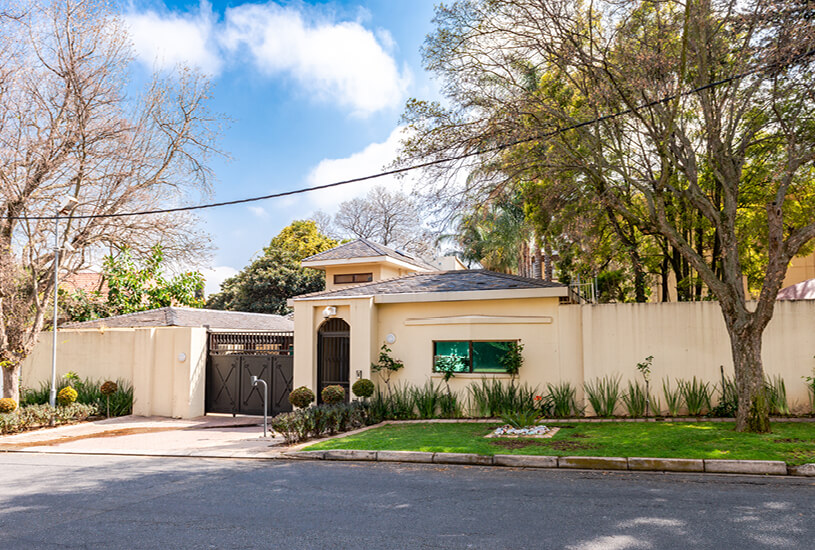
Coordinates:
<point>235,357</point>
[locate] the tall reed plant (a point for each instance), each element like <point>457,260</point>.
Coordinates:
<point>603,394</point>
<point>776,392</point>
<point>426,399</point>
<point>673,396</point>
<point>696,395</point>
<point>563,399</point>
<point>636,400</point>
<point>491,397</point>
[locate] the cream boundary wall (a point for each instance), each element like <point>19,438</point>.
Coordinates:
<point>561,342</point>
<point>147,357</point>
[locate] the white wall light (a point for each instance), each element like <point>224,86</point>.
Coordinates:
<point>329,311</point>
<point>182,357</point>
<point>390,338</point>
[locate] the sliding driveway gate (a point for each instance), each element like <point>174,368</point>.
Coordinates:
<point>235,357</point>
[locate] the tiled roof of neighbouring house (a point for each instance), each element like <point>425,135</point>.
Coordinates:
<point>804,290</point>
<point>438,281</point>
<point>191,317</point>
<point>89,281</point>
<point>363,248</point>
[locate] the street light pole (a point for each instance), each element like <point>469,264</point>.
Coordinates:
<point>53,396</point>
<point>64,208</point>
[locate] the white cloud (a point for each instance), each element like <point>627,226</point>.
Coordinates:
<point>163,41</point>
<point>371,160</point>
<point>214,276</point>
<point>339,62</point>
<point>258,211</point>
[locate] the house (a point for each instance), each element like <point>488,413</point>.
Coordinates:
<point>376,295</point>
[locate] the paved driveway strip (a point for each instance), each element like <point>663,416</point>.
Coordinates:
<point>214,436</point>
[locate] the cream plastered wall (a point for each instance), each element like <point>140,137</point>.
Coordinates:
<point>800,269</point>
<point>690,339</point>
<point>379,271</point>
<point>417,324</point>
<point>163,383</point>
<point>573,343</point>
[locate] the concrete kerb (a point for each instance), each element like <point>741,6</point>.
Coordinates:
<point>638,464</point>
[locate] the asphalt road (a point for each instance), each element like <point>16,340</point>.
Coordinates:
<point>70,501</point>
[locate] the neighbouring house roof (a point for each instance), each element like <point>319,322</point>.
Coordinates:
<point>89,281</point>
<point>363,248</point>
<point>439,281</point>
<point>191,317</point>
<point>804,290</point>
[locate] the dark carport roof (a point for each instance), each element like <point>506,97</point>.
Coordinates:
<point>192,317</point>
<point>438,281</point>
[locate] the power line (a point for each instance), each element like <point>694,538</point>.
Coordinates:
<point>435,162</point>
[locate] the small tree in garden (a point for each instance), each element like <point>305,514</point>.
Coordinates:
<point>386,366</point>
<point>107,389</point>
<point>645,370</point>
<point>513,359</point>
<point>363,388</point>
<point>301,397</point>
<point>448,366</point>
<point>333,395</point>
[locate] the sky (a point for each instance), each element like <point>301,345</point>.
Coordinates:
<point>312,93</point>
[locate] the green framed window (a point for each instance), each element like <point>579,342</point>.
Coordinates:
<point>470,355</point>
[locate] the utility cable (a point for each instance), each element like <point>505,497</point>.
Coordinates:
<point>435,162</point>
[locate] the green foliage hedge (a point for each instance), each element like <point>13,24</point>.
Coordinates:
<point>89,392</point>
<point>35,416</point>
<point>320,420</point>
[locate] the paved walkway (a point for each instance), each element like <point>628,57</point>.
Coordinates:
<point>211,436</point>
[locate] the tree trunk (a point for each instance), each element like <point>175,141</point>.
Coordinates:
<point>537,271</point>
<point>11,382</point>
<point>753,413</point>
<point>547,259</point>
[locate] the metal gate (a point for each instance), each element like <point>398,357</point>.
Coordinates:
<point>333,356</point>
<point>235,357</point>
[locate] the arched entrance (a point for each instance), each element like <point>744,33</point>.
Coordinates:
<point>333,356</point>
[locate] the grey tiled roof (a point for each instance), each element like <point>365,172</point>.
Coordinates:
<point>363,248</point>
<point>191,317</point>
<point>438,281</point>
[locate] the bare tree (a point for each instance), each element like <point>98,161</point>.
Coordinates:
<point>390,218</point>
<point>68,129</point>
<point>737,152</point>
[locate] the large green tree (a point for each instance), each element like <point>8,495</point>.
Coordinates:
<point>730,163</point>
<point>265,284</point>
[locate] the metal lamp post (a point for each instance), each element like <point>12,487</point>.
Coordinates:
<point>66,206</point>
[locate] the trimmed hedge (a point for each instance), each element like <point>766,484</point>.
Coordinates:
<point>35,416</point>
<point>321,420</point>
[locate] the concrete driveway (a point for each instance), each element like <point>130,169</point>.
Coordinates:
<point>212,436</point>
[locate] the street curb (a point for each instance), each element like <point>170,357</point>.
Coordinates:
<point>635,464</point>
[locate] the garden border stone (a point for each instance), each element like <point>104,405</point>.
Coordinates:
<point>761,467</point>
<point>807,470</point>
<point>666,464</point>
<point>404,456</point>
<point>525,461</point>
<point>593,462</point>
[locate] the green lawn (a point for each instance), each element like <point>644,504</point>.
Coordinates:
<point>791,442</point>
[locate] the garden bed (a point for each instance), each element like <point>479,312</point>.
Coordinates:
<point>792,442</point>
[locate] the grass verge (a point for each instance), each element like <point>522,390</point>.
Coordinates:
<point>791,442</point>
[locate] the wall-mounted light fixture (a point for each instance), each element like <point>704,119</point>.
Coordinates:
<point>390,338</point>
<point>182,357</point>
<point>329,311</point>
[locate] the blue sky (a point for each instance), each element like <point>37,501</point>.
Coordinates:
<point>313,92</point>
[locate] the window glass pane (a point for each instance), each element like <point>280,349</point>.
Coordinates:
<point>458,353</point>
<point>487,356</point>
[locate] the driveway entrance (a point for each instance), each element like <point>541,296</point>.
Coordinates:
<point>235,357</point>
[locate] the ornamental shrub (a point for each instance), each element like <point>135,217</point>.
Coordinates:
<point>301,397</point>
<point>109,388</point>
<point>333,395</point>
<point>7,405</point>
<point>66,396</point>
<point>363,388</point>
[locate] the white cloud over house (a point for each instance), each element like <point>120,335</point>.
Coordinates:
<point>331,61</point>
<point>373,159</point>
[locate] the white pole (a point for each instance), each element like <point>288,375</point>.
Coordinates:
<point>53,397</point>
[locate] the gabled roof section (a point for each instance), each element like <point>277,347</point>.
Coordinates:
<point>191,317</point>
<point>467,280</point>
<point>363,248</point>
